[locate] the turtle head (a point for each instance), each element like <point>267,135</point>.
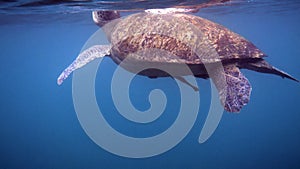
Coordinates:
<point>103,17</point>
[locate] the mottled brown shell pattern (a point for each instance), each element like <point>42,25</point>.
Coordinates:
<point>189,39</point>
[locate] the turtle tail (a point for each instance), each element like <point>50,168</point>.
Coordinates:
<point>263,66</point>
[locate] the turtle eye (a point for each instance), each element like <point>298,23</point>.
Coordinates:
<point>103,17</point>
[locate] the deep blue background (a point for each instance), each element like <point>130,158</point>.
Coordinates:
<point>39,127</point>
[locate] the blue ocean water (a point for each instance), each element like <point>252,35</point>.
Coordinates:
<point>39,126</point>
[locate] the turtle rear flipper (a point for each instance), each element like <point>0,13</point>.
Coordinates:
<point>234,90</point>
<point>84,58</point>
<point>238,89</point>
<point>263,66</point>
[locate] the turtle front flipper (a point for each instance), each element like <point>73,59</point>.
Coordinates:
<point>84,58</point>
<point>235,92</point>
<point>183,80</point>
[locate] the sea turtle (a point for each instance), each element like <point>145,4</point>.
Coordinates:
<point>180,39</point>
